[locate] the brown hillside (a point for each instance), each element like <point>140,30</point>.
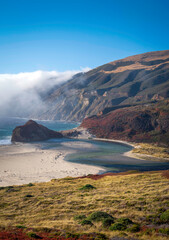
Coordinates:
<point>133,80</point>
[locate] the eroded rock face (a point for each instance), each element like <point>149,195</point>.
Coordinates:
<point>32,131</point>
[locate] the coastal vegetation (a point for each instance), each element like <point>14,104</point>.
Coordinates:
<point>147,123</point>
<point>152,150</point>
<point>124,205</point>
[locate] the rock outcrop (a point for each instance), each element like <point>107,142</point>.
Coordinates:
<point>33,131</point>
<point>146,123</point>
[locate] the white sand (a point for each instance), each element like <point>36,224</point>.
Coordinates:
<point>25,163</point>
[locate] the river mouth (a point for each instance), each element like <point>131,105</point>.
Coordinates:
<point>108,155</point>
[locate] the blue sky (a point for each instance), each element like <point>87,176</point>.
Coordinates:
<point>70,34</point>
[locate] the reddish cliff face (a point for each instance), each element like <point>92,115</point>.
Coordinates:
<point>148,123</point>
<point>33,131</point>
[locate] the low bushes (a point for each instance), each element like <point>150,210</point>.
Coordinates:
<point>86,222</point>
<point>164,231</point>
<point>134,228</point>
<point>125,221</point>
<point>79,217</point>
<point>99,216</point>
<point>164,217</point>
<point>107,222</point>
<point>117,226</point>
<point>87,187</point>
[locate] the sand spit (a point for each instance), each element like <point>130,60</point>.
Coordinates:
<point>25,163</point>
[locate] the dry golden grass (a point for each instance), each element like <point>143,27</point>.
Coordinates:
<point>152,150</point>
<point>55,204</point>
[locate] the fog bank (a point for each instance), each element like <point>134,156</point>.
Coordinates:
<point>22,93</point>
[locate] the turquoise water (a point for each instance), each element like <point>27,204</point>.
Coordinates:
<point>8,124</point>
<point>104,154</point>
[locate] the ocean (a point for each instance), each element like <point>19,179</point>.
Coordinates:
<point>7,124</point>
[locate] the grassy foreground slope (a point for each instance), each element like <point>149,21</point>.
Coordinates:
<point>137,205</point>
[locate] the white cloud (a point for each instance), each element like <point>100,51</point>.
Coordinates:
<point>20,89</point>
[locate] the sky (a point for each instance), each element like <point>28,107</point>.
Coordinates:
<point>52,35</point>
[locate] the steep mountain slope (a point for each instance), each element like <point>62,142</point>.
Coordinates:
<point>133,80</point>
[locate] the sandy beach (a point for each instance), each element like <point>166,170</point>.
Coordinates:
<point>22,163</point>
<point>25,163</point>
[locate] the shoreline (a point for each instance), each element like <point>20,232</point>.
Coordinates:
<point>84,134</point>
<point>24,163</point>
<point>114,141</point>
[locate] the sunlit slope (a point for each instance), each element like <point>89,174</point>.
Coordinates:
<point>142,198</point>
<point>133,80</point>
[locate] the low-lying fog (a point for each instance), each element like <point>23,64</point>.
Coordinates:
<point>22,93</point>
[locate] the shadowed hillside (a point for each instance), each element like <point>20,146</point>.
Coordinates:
<point>142,123</point>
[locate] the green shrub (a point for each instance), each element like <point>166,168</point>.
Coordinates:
<point>125,221</point>
<point>33,235</point>
<point>134,228</point>
<point>117,226</point>
<point>164,217</point>
<point>79,217</point>
<point>86,222</point>
<point>20,226</point>
<point>107,222</point>
<point>87,187</point>
<point>30,185</point>
<point>99,216</point>
<point>153,218</point>
<point>164,231</point>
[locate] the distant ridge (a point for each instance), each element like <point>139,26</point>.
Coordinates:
<point>134,80</point>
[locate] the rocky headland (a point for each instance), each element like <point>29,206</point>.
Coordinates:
<point>32,131</point>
